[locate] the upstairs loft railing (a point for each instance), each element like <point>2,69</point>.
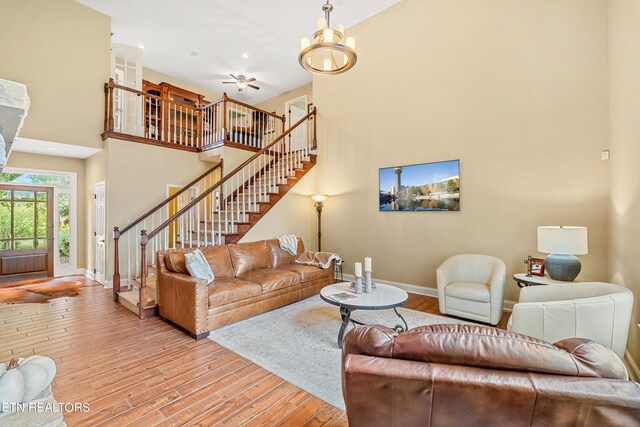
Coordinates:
<point>126,255</point>
<point>142,117</point>
<point>227,207</point>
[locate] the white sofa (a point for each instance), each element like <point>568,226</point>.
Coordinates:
<point>472,286</point>
<point>597,311</point>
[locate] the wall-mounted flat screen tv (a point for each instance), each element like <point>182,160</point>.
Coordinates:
<point>423,187</point>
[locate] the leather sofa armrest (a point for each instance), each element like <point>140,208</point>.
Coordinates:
<point>386,392</point>
<point>184,301</point>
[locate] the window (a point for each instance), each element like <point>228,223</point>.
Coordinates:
<point>35,178</point>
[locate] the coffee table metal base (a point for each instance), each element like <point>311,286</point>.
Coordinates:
<point>345,313</point>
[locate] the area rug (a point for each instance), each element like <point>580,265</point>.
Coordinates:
<point>40,290</point>
<point>298,342</point>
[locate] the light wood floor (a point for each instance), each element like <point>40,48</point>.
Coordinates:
<point>147,372</point>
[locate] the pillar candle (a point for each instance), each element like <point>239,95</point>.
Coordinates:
<point>367,264</point>
<point>358,269</point>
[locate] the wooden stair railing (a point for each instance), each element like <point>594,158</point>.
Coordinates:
<point>153,216</point>
<point>165,122</point>
<point>226,211</point>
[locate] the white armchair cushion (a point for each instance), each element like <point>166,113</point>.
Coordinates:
<point>472,286</point>
<point>468,290</point>
<point>597,311</point>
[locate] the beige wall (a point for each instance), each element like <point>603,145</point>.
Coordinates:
<point>60,50</point>
<point>276,104</point>
<point>625,151</point>
<point>516,90</point>
<point>157,77</point>
<point>61,164</point>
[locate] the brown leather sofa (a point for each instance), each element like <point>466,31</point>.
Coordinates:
<point>250,278</point>
<point>467,375</point>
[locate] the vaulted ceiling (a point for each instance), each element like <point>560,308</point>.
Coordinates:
<point>202,41</point>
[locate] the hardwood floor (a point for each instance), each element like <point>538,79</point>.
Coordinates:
<point>147,372</point>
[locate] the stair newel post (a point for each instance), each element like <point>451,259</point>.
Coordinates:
<point>110,120</point>
<point>225,129</point>
<point>315,121</point>
<point>143,271</point>
<point>284,123</point>
<point>116,263</point>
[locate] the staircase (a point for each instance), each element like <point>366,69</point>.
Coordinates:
<point>212,210</point>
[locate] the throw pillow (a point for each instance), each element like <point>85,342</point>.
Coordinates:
<point>198,266</point>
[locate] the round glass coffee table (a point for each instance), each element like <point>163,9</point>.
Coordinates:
<point>382,298</point>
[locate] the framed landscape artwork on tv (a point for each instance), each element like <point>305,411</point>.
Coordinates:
<point>422,187</point>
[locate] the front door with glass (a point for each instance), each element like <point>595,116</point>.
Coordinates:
<point>26,232</point>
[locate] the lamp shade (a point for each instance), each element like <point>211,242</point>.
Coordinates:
<point>319,198</point>
<point>563,240</point>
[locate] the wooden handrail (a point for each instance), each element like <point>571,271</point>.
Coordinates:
<point>166,201</point>
<point>234,101</point>
<point>149,236</point>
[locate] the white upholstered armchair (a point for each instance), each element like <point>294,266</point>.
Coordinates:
<point>472,286</point>
<point>598,311</point>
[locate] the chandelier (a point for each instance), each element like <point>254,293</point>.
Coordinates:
<point>328,51</point>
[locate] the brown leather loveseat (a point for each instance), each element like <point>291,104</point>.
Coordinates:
<point>250,278</point>
<point>467,375</point>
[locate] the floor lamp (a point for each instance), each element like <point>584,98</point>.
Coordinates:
<point>319,198</point>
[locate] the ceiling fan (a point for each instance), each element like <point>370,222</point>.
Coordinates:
<point>242,82</point>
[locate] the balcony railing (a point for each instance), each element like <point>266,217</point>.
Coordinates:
<point>142,117</point>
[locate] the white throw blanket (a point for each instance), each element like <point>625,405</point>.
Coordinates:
<point>318,259</point>
<point>289,243</point>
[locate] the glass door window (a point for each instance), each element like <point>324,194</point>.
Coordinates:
<point>24,220</point>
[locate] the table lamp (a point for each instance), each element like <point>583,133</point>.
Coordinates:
<point>563,243</point>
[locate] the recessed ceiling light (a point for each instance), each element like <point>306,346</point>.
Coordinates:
<point>245,55</point>
<point>193,53</point>
<point>141,46</point>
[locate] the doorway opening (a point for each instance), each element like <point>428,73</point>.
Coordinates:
<point>37,224</point>
<point>296,109</point>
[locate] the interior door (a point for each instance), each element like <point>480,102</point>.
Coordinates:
<point>297,109</point>
<point>99,200</point>
<point>26,232</point>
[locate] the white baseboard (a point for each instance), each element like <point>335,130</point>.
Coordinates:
<point>420,290</point>
<point>632,367</point>
<point>86,272</point>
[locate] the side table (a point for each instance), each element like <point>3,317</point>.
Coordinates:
<point>523,280</point>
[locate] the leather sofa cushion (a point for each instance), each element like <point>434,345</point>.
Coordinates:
<point>175,262</point>
<point>249,256</point>
<point>468,290</point>
<point>271,280</point>
<point>307,273</point>
<point>227,290</point>
<point>279,256</point>
<point>219,260</point>
<point>487,347</point>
